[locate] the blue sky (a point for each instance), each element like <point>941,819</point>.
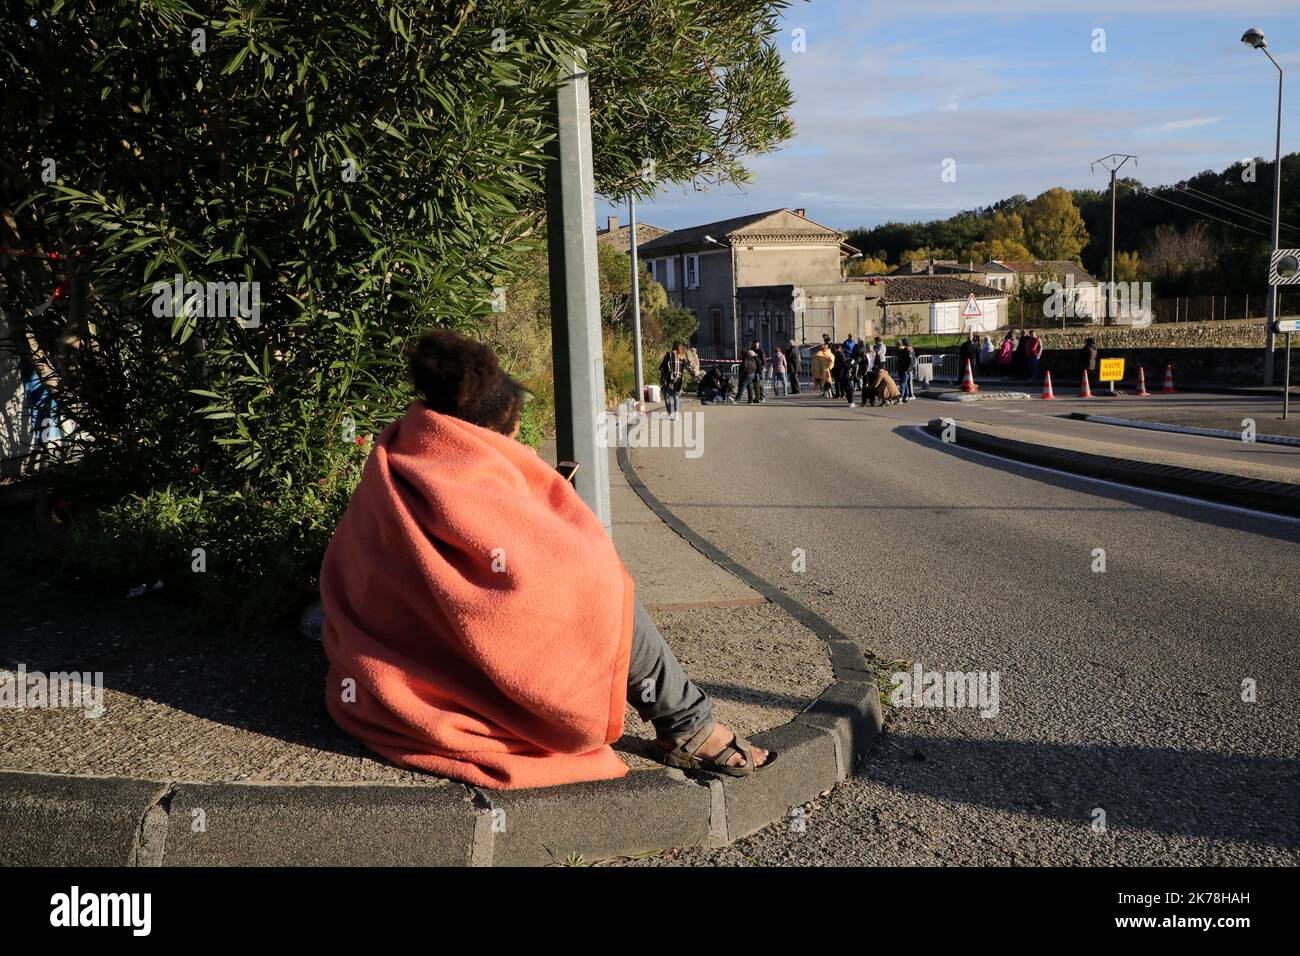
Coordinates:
<point>1013,92</point>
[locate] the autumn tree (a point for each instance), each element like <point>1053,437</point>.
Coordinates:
<point>1054,228</point>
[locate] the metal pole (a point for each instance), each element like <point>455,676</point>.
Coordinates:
<point>1286,385</point>
<point>636,299</point>
<point>1277,216</point>
<point>575,289</point>
<point>1110,292</point>
<point>735,303</point>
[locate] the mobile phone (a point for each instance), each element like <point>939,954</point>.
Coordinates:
<point>567,470</point>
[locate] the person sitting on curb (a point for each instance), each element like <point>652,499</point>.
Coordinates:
<point>479,623</point>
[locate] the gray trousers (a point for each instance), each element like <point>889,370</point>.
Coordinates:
<point>657,687</point>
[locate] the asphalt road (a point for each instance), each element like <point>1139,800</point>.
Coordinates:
<point>1119,691</point>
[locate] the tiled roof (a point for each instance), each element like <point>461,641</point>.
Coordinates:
<point>1060,266</point>
<point>693,236</point>
<point>619,237</point>
<point>1064,269</point>
<point>934,289</point>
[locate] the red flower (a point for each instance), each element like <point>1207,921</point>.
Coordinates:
<point>361,439</point>
<point>194,470</point>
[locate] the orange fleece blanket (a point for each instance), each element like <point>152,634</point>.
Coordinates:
<point>480,609</point>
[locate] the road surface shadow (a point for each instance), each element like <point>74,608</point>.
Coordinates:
<point>1202,794</point>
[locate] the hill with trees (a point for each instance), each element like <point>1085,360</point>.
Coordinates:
<point>1207,235</point>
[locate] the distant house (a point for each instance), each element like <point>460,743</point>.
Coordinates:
<point>940,304</point>
<point>932,267</point>
<point>1012,276</point>
<point>619,236</point>
<point>768,276</point>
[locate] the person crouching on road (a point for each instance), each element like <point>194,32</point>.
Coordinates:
<point>823,361</point>
<point>671,374</point>
<point>714,387</point>
<point>881,387</point>
<point>495,637</point>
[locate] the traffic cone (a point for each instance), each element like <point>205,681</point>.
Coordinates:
<point>1142,382</point>
<point>1169,380</point>
<point>1084,390</point>
<point>1047,386</point>
<point>968,380</point>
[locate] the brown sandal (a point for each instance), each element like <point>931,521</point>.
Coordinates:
<point>683,753</point>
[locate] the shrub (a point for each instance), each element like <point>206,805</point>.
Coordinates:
<point>357,173</point>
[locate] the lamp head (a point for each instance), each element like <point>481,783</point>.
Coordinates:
<point>1254,37</point>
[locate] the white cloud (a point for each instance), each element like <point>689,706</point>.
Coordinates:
<point>1182,124</point>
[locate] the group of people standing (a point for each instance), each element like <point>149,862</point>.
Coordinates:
<point>1019,355</point>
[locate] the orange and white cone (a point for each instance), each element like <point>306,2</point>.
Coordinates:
<point>1084,390</point>
<point>968,380</point>
<point>1169,380</point>
<point>1142,382</point>
<point>1047,386</point>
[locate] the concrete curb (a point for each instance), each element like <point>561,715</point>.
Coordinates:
<point>62,820</point>
<point>1254,493</point>
<point>979,396</point>
<point>1182,429</point>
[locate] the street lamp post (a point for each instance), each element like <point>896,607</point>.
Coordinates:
<point>1255,38</point>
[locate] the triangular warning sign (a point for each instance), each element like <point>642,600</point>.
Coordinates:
<point>972,310</point>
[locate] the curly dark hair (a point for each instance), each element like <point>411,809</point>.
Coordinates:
<point>459,376</point>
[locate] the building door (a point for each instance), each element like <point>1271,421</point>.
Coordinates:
<point>811,324</point>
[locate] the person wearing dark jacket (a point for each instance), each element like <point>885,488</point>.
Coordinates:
<point>906,368</point>
<point>714,387</point>
<point>843,372</point>
<point>749,371</point>
<point>758,378</point>
<point>1020,358</point>
<point>793,361</point>
<point>969,352</point>
<point>672,371</point>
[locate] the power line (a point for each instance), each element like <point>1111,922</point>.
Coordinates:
<point>1235,225</point>
<point>1267,220</point>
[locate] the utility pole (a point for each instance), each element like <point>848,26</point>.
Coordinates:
<point>1112,162</point>
<point>575,288</point>
<point>636,299</point>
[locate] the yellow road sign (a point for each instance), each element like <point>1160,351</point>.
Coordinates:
<point>1112,370</point>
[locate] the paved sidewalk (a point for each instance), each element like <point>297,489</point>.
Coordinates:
<point>191,719</point>
<point>186,706</point>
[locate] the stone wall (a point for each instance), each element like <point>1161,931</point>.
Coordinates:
<point>1204,335</point>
